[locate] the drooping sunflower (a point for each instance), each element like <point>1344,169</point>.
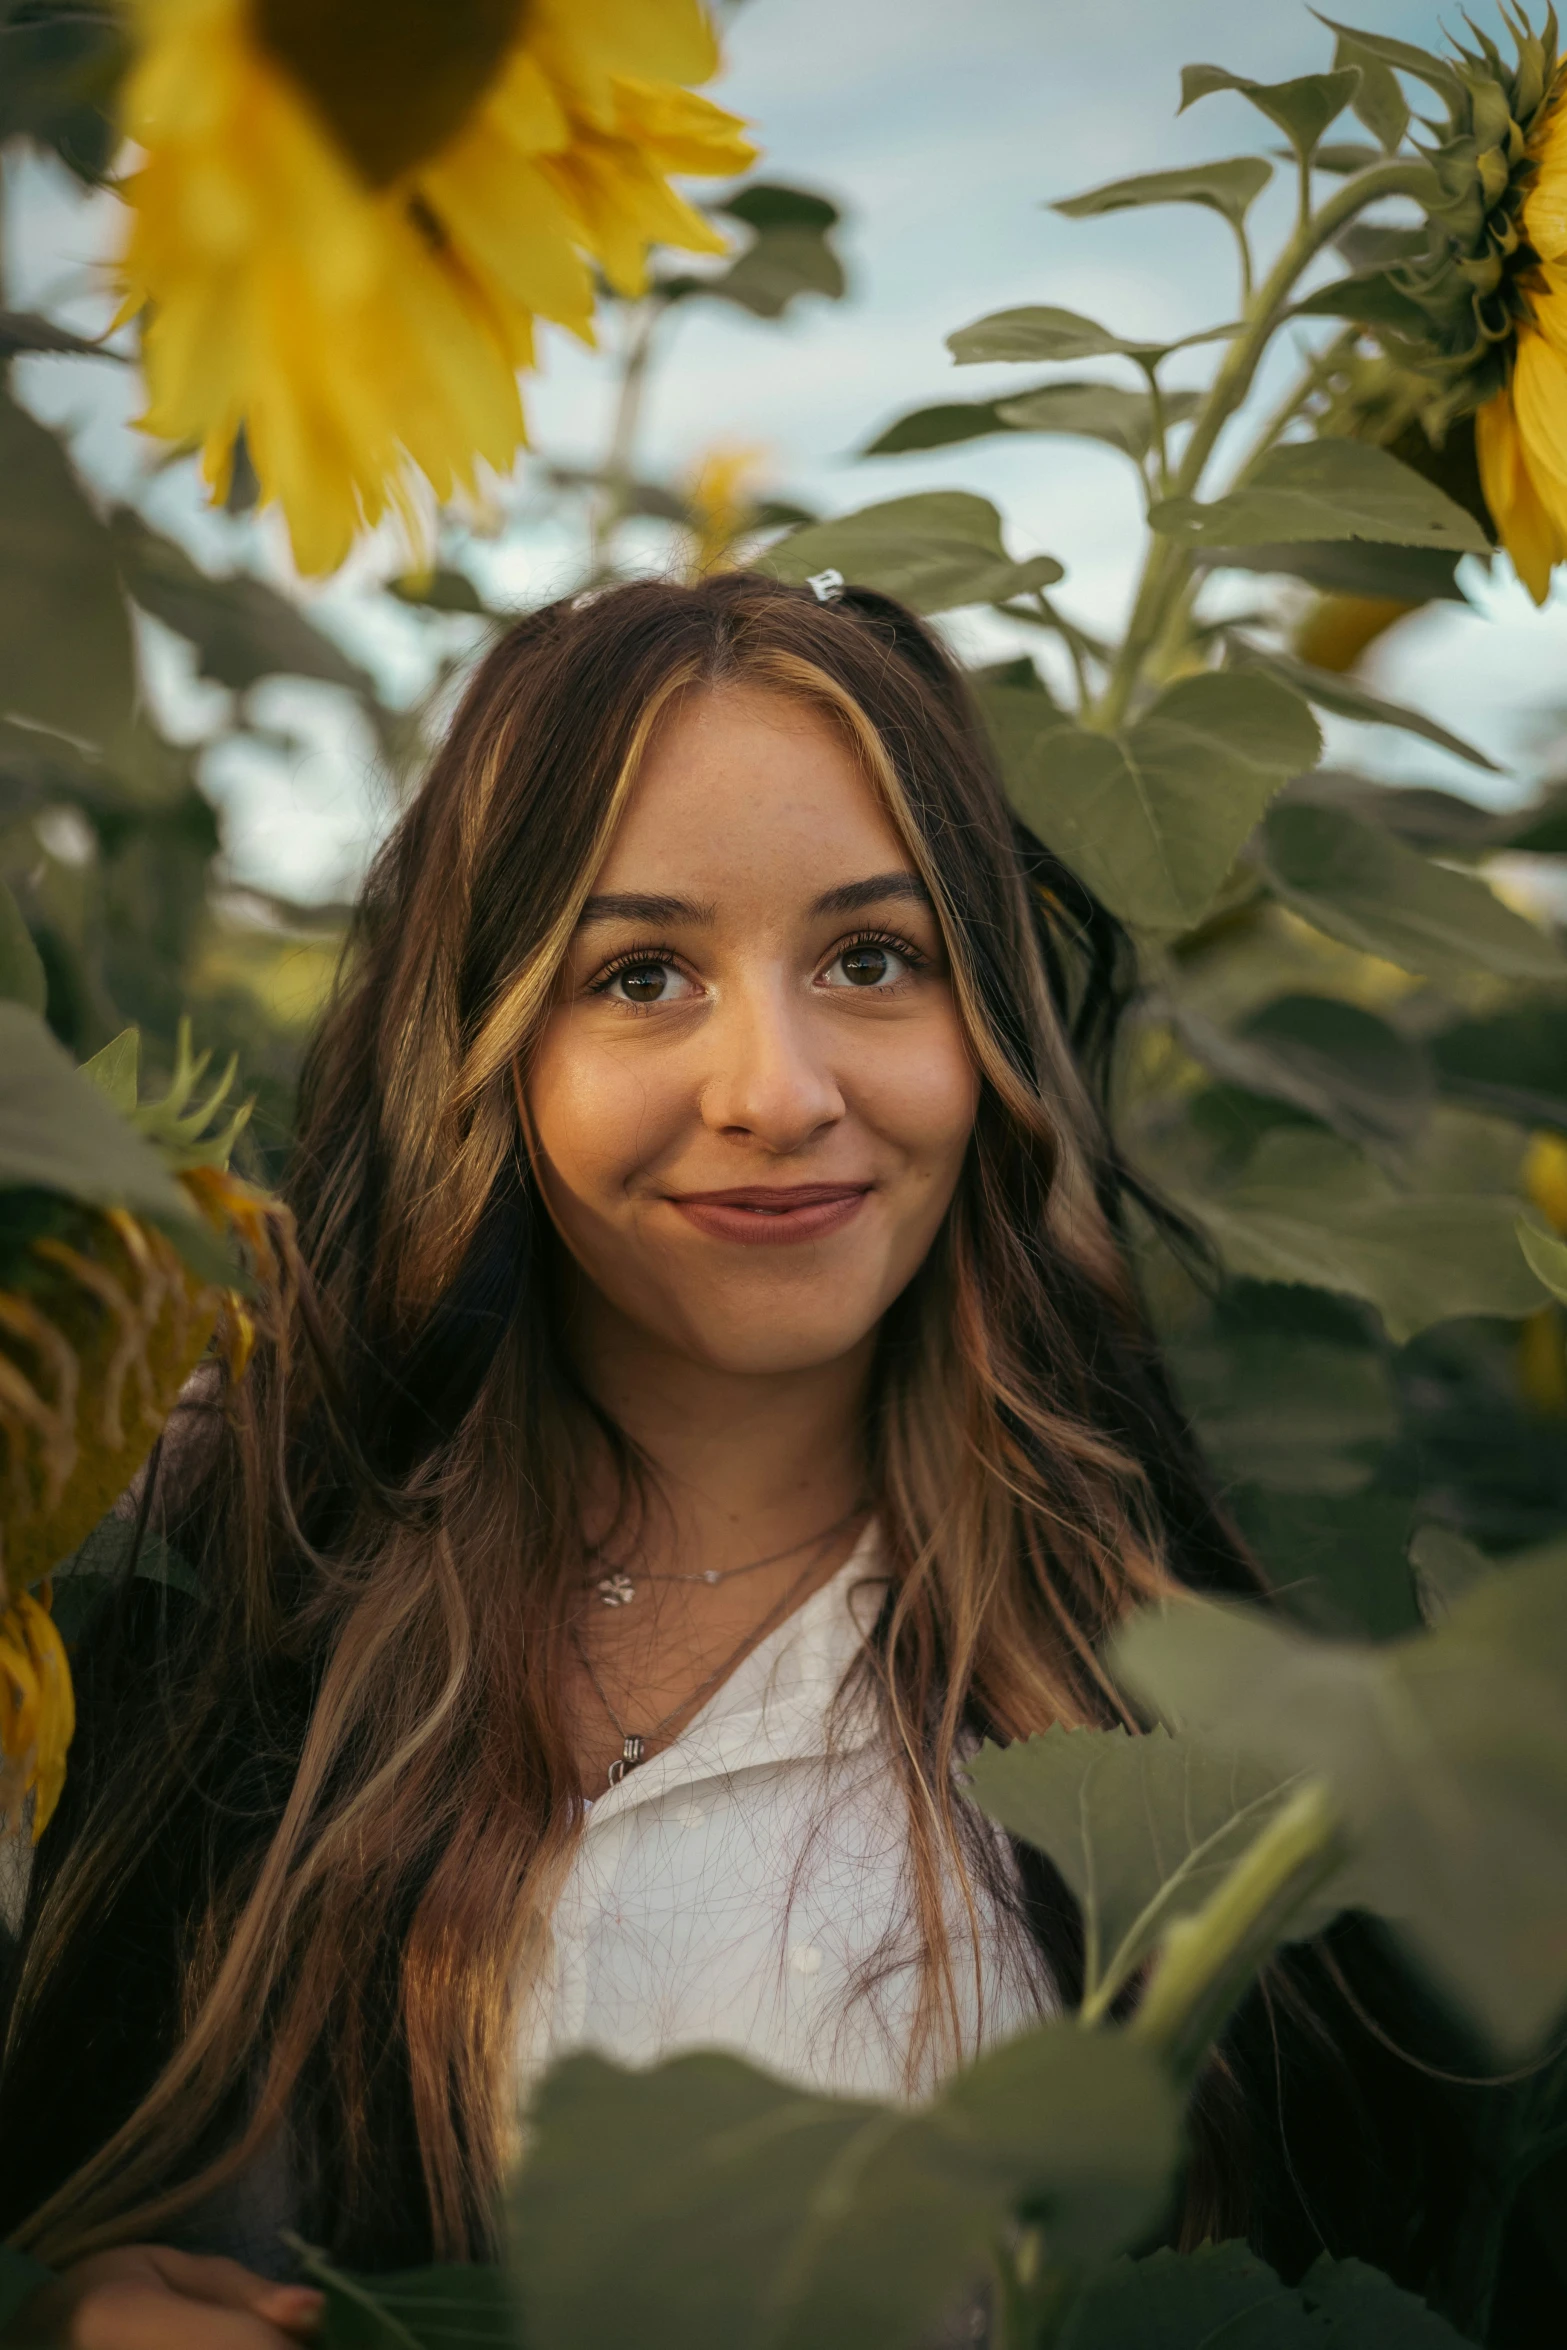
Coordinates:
<point>1472,316</point>
<point>348,214</point>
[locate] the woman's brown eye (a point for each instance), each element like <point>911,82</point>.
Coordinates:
<point>867,965</point>
<point>642,983</point>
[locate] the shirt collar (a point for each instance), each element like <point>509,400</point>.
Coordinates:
<point>777,1705</point>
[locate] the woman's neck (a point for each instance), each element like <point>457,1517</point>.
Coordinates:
<point>747,1462</point>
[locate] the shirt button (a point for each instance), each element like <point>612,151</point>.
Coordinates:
<point>805,1958</point>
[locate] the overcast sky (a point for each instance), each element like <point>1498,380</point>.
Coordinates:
<point>943,130</point>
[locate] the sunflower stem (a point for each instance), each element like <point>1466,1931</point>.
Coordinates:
<point>1166,567</point>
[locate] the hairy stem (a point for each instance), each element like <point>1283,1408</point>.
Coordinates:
<point>1209,1960</point>
<point>1167,567</point>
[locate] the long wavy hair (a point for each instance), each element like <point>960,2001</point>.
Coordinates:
<point>319,1815</point>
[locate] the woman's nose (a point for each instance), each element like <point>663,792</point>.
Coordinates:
<point>769,1077</point>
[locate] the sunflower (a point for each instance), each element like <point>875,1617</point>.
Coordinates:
<point>348,214</point>
<point>1521,431</point>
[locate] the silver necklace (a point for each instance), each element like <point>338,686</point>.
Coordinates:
<point>619,1589</point>
<point>634,1743</point>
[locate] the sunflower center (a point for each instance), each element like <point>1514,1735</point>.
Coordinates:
<point>395,79</point>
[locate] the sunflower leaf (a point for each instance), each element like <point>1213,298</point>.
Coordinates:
<point>1547,1258</point>
<point>1445,1755</point>
<point>1379,102</point>
<point>1401,57</point>
<point>752,2211</point>
<point>116,1071</point>
<point>1325,489</point>
<point>1302,109</point>
<point>1153,818</point>
<point>1230,188</point>
<point>1310,1212</point>
<point>936,551</point>
<point>1348,699</point>
<point>56,556</point>
<point>1350,878</point>
<point>1099,412</point>
<point>1142,1827</point>
<point>1043,332</point>
<point>22,978</point>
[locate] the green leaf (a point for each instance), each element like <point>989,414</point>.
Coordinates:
<point>1348,699</point>
<point>1338,1562</point>
<point>443,2308</point>
<point>1372,298</point>
<point>1230,188</point>
<point>1274,1409</point>
<point>749,2212</point>
<point>242,629</point>
<point>116,1071</point>
<point>1379,102</point>
<point>1153,819</point>
<point>1365,2310</point>
<point>1309,1211</point>
<point>1445,1756</point>
<point>789,254</point>
<point>1547,1258</point>
<point>1042,332</point>
<point>55,559</point>
<point>22,978</point>
<point>1325,489</point>
<point>60,65</point>
<point>938,550</point>
<point>1351,879</point>
<point>1324,1056</point>
<point>1402,57</point>
<point>1143,1827</point>
<point>1302,109</point>
<point>940,427</point>
<point>57,1133</point>
<point>1445,1564</point>
<point>1100,412</point>
<point>441,590</point>
<point>1351,567</point>
<point>1220,2297</point>
<point>1513,1062</point>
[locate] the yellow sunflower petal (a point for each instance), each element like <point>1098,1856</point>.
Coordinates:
<point>55,1724</point>
<point>1527,527</point>
<point>366,334</point>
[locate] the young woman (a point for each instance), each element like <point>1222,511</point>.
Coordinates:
<point>715,1397</point>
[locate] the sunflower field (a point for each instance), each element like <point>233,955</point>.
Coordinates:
<point>1346,1066</point>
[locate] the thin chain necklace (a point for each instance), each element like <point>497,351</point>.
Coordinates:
<point>619,1589</point>
<point>634,1743</point>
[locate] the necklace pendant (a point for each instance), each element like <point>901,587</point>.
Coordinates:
<point>615,1591</point>
<point>631,1752</point>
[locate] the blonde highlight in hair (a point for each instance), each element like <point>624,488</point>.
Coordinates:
<point>344,1793</point>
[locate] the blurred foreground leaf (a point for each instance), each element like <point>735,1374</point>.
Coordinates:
<point>443,2308</point>
<point>1222,2297</point>
<point>1445,1755</point>
<point>1143,1827</point>
<point>749,2212</point>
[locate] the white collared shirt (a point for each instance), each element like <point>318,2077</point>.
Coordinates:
<point>748,1887</point>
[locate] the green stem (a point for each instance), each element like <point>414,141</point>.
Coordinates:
<point>1209,1960</point>
<point>1166,566</point>
<point>618,469</point>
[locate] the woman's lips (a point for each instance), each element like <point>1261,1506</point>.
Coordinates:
<point>772,1215</point>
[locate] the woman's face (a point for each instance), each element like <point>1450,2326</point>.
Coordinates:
<point>752,1099</point>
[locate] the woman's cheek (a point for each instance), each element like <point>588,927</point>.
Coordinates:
<point>923,1094</point>
<point>599,1113</point>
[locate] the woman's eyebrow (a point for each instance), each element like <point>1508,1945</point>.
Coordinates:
<point>635,906</point>
<point>873,891</point>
